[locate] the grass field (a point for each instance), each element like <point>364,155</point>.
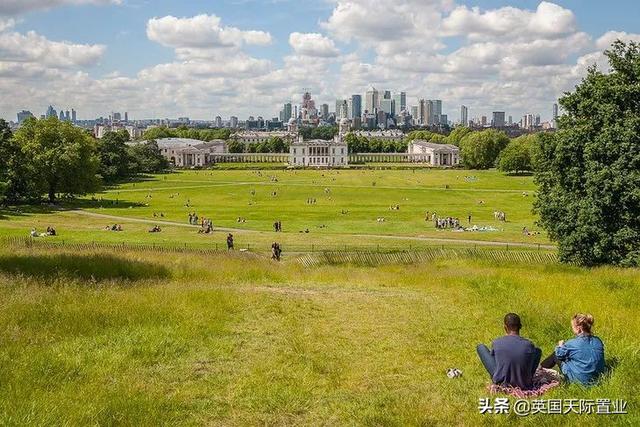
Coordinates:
<point>347,206</point>
<point>138,338</point>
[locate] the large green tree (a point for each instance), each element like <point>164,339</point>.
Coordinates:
<point>63,158</point>
<point>115,163</point>
<point>5,153</point>
<point>147,158</point>
<point>589,171</point>
<point>457,134</point>
<point>479,150</point>
<point>518,156</point>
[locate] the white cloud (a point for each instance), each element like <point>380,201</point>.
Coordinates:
<point>607,39</point>
<point>14,7</point>
<point>313,44</point>
<point>6,24</point>
<point>548,21</point>
<point>201,32</point>
<point>32,47</point>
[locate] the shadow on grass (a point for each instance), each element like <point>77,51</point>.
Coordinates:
<point>66,205</point>
<point>97,267</point>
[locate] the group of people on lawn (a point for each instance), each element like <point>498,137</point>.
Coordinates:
<point>513,360</point>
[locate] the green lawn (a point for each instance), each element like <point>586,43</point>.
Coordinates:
<point>135,338</point>
<point>363,196</point>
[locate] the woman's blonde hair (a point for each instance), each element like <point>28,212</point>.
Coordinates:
<point>584,321</point>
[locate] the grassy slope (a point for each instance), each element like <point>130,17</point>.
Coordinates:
<point>225,196</point>
<point>144,339</point>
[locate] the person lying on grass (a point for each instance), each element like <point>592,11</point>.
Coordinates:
<point>513,360</point>
<point>580,359</point>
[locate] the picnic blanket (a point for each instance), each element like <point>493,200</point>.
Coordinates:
<point>543,381</point>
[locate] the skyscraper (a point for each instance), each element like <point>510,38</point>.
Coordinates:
<point>218,122</point>
<point>126,117</point>
<point>464,115</point>
<point>498,120</point>
<point>437,111</point>
<point>386,105</point>
<point>287,112</point>
<point>414,114</point>
<point>51,112</point>
<point>421,117</point>
<point>73,115</point>
<point>67,116</point>
<point>387,94</point>
<point>61,115</point>
<point>400,100</point>
<point>233,122</point>
<point>341,108</point>
<point>324,111</point>
<point>356,106</point>
<point>555,111</point>
<point>372,101</point>
<point>24,115</point>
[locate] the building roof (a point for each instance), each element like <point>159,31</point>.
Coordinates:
<point>434,146</point>
<point>318,142</point>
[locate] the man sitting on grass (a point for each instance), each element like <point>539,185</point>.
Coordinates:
<point>513,360</point>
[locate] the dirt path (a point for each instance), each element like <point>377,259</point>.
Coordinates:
<point>355,236</point>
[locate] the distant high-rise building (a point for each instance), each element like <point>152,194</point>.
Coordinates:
<point>67,116</point>
<point>24,115</point>
<point>400,101</point>
<point>386,105</point>
<point>356,106</point>
<point>464,115</point>
<point>218,122</point>
<point>341,109</point>
<point>498,120</point>
<point>555,111</point>
<point>372,101</point>
<point>233,122</point>
<point>414,114</point>
<point>444,119</point>
<point>510,120</point>
<point>537,119</point>
<point>387,94</point>
<point>51,112</point>
<point>483,120</point>
<point>324,111</point>
<point>116,117</point>
<point>437,111</point>
<point>74,117</point>
<point>421,117</point>
<point>286,112</point>
<point>61,115</point>
<point>126,117</point>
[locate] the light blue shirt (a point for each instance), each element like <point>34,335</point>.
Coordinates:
<point>582,359</point>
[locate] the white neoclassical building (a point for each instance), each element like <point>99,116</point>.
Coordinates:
<point>185,152</point>
<point>318,152</point>
<point>423,151</point>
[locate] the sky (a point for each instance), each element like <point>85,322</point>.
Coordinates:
<point>200,59</point>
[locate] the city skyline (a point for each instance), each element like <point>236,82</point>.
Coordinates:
<point>202,61</point>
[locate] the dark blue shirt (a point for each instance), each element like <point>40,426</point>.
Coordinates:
<point>516,360</point>
<point>582,359</point>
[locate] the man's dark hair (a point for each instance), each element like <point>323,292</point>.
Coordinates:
<point>512,322</point>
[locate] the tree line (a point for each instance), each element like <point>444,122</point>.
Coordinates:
<point>206,135</point>
<point>49,157</point>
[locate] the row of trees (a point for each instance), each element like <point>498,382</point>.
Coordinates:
<point>185,132</point>
<point>362,144</point>
<point>273,145</point>
<point>50,157</point>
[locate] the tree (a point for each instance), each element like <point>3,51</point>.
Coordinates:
<point>457,134</point>
<point>235,146</point>
<point>5,153</point>
<point>419,134</point>
<point>517,155</point>
<point>62,157</point>
<point>589,170</point>
<point>115,163</point>
<point>479,150</point>
<point>147,158</point>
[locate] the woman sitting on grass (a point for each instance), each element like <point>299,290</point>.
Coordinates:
<point>581,359</point>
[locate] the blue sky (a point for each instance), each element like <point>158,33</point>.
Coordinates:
<point>473,57</point>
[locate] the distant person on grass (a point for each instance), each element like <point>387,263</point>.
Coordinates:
<point>581,359</point>
<point>513,360</point>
